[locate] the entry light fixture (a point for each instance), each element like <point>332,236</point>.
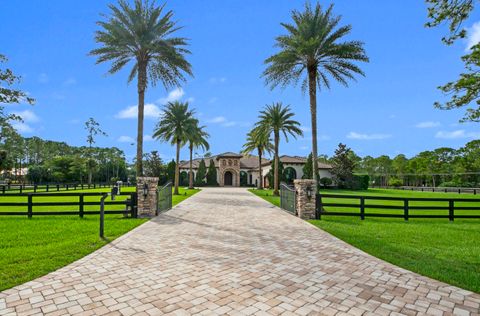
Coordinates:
<point>145,189</point>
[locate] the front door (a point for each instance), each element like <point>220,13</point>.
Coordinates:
<point>228,180</point>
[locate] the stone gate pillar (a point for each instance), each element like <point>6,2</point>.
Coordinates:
<point>147,204</point>
<point>306,198</point>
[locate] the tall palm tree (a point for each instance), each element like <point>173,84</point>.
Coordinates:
<point>314,50</point>
<point>277,119</point>
<point>141,34</point>
<point>261,142</point>
<point>176,122</point>
<point>197,138</point>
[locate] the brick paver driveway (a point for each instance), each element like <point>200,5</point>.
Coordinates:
<point>225,251</point>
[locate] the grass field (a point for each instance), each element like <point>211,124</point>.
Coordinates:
<point>30,248</point>
<point>443,250</point>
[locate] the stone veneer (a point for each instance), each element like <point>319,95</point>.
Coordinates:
<point>231,164</point>
<point>147,206</point>
<point>305,206</point>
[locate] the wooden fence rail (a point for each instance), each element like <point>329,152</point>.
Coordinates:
<point>55,187</point>
<point>474,191</point>
<point>78,206</point>
<point>404,208</point>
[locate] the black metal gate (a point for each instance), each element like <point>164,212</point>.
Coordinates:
<point>287,198</point>
<point>164,198</point>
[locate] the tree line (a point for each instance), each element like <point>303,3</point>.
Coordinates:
<point>52,161</point>
<point>447,167</point>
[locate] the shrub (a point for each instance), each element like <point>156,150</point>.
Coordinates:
<point>395,182</point>
<point>360,182</point>
<point>325,182</point>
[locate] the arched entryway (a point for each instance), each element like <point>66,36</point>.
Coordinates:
<point>289,175</point>
<point>228,178</point>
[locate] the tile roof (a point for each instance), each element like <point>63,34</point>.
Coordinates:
<point>250,162</point>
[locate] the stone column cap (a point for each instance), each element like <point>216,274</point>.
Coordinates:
<point>304,181</point>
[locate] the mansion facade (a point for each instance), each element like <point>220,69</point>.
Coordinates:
<point>235,169</point>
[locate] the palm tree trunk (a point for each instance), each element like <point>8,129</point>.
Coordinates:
<point>275,174</point>
<point>260,176</point>
<point>177,169</point>
<point>312,89</point>
<point>141,85</point>
<point>190,180</point>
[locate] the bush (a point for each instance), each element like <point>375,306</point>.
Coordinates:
<point>360,182</point>
<point>395,182</point>
<point>325,182</point>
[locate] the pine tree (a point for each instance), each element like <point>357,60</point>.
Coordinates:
<point>342,166</point>
<point>281,174</point>
<point>308,168</point>
<point>201,173</point>
<point>171,170</point>
<point>212,174</point>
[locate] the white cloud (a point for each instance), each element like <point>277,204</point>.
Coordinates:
<point>22,127</point>
<point>229,124</point>
<point>427,124</point>
<point>191,100</point>
<point>304,147</point>
<point>43,78</point>
<point>70,82</point>
<point>150,111</point>
<point>215,80</point>
<point>27,116</point>
<point>223,121</point>
<point>461,133</point>
<point>305,129</point>
<point>360,136</point>
<point>172,96</point>
<point>58,96</point>
<point>212,100</point>
<point>147,138</point>
<point>473,35</point>
<point>125,139</point>
<point>217,119</point>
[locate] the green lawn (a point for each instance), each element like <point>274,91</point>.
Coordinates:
<point>30,248</point>
<point>443,250</point>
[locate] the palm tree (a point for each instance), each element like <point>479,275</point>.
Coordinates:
<point>197,138</point>
<point>140,34</point>
<point>314,51</point>
<point>256,140</point>
<point>277,119</point>
<point>176,122</point>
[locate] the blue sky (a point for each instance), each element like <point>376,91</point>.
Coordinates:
<point>390,111</point>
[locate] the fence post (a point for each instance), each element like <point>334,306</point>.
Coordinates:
<point>319,207</point>
<point>362,208</point>
<point>94,185</point>
<point>21,189</point>
<point>474,191</point>
<point>30,205</point>
<point>35,188</point>
<point>405,209</point>
<point>451,208</point>
<point>80,204</point>
<point>3,189</point>
<point>48,187</point>
<point>133,203</point>
<point>58,187</point>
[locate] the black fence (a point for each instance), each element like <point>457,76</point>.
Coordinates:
<point>474,191</point>
<point>401,207</point>
<point>164,198</point>
<point>287,198</point>
<point>78,203</point>
<point>55,187</point>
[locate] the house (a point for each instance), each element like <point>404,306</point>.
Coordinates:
<point>236,169</point>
